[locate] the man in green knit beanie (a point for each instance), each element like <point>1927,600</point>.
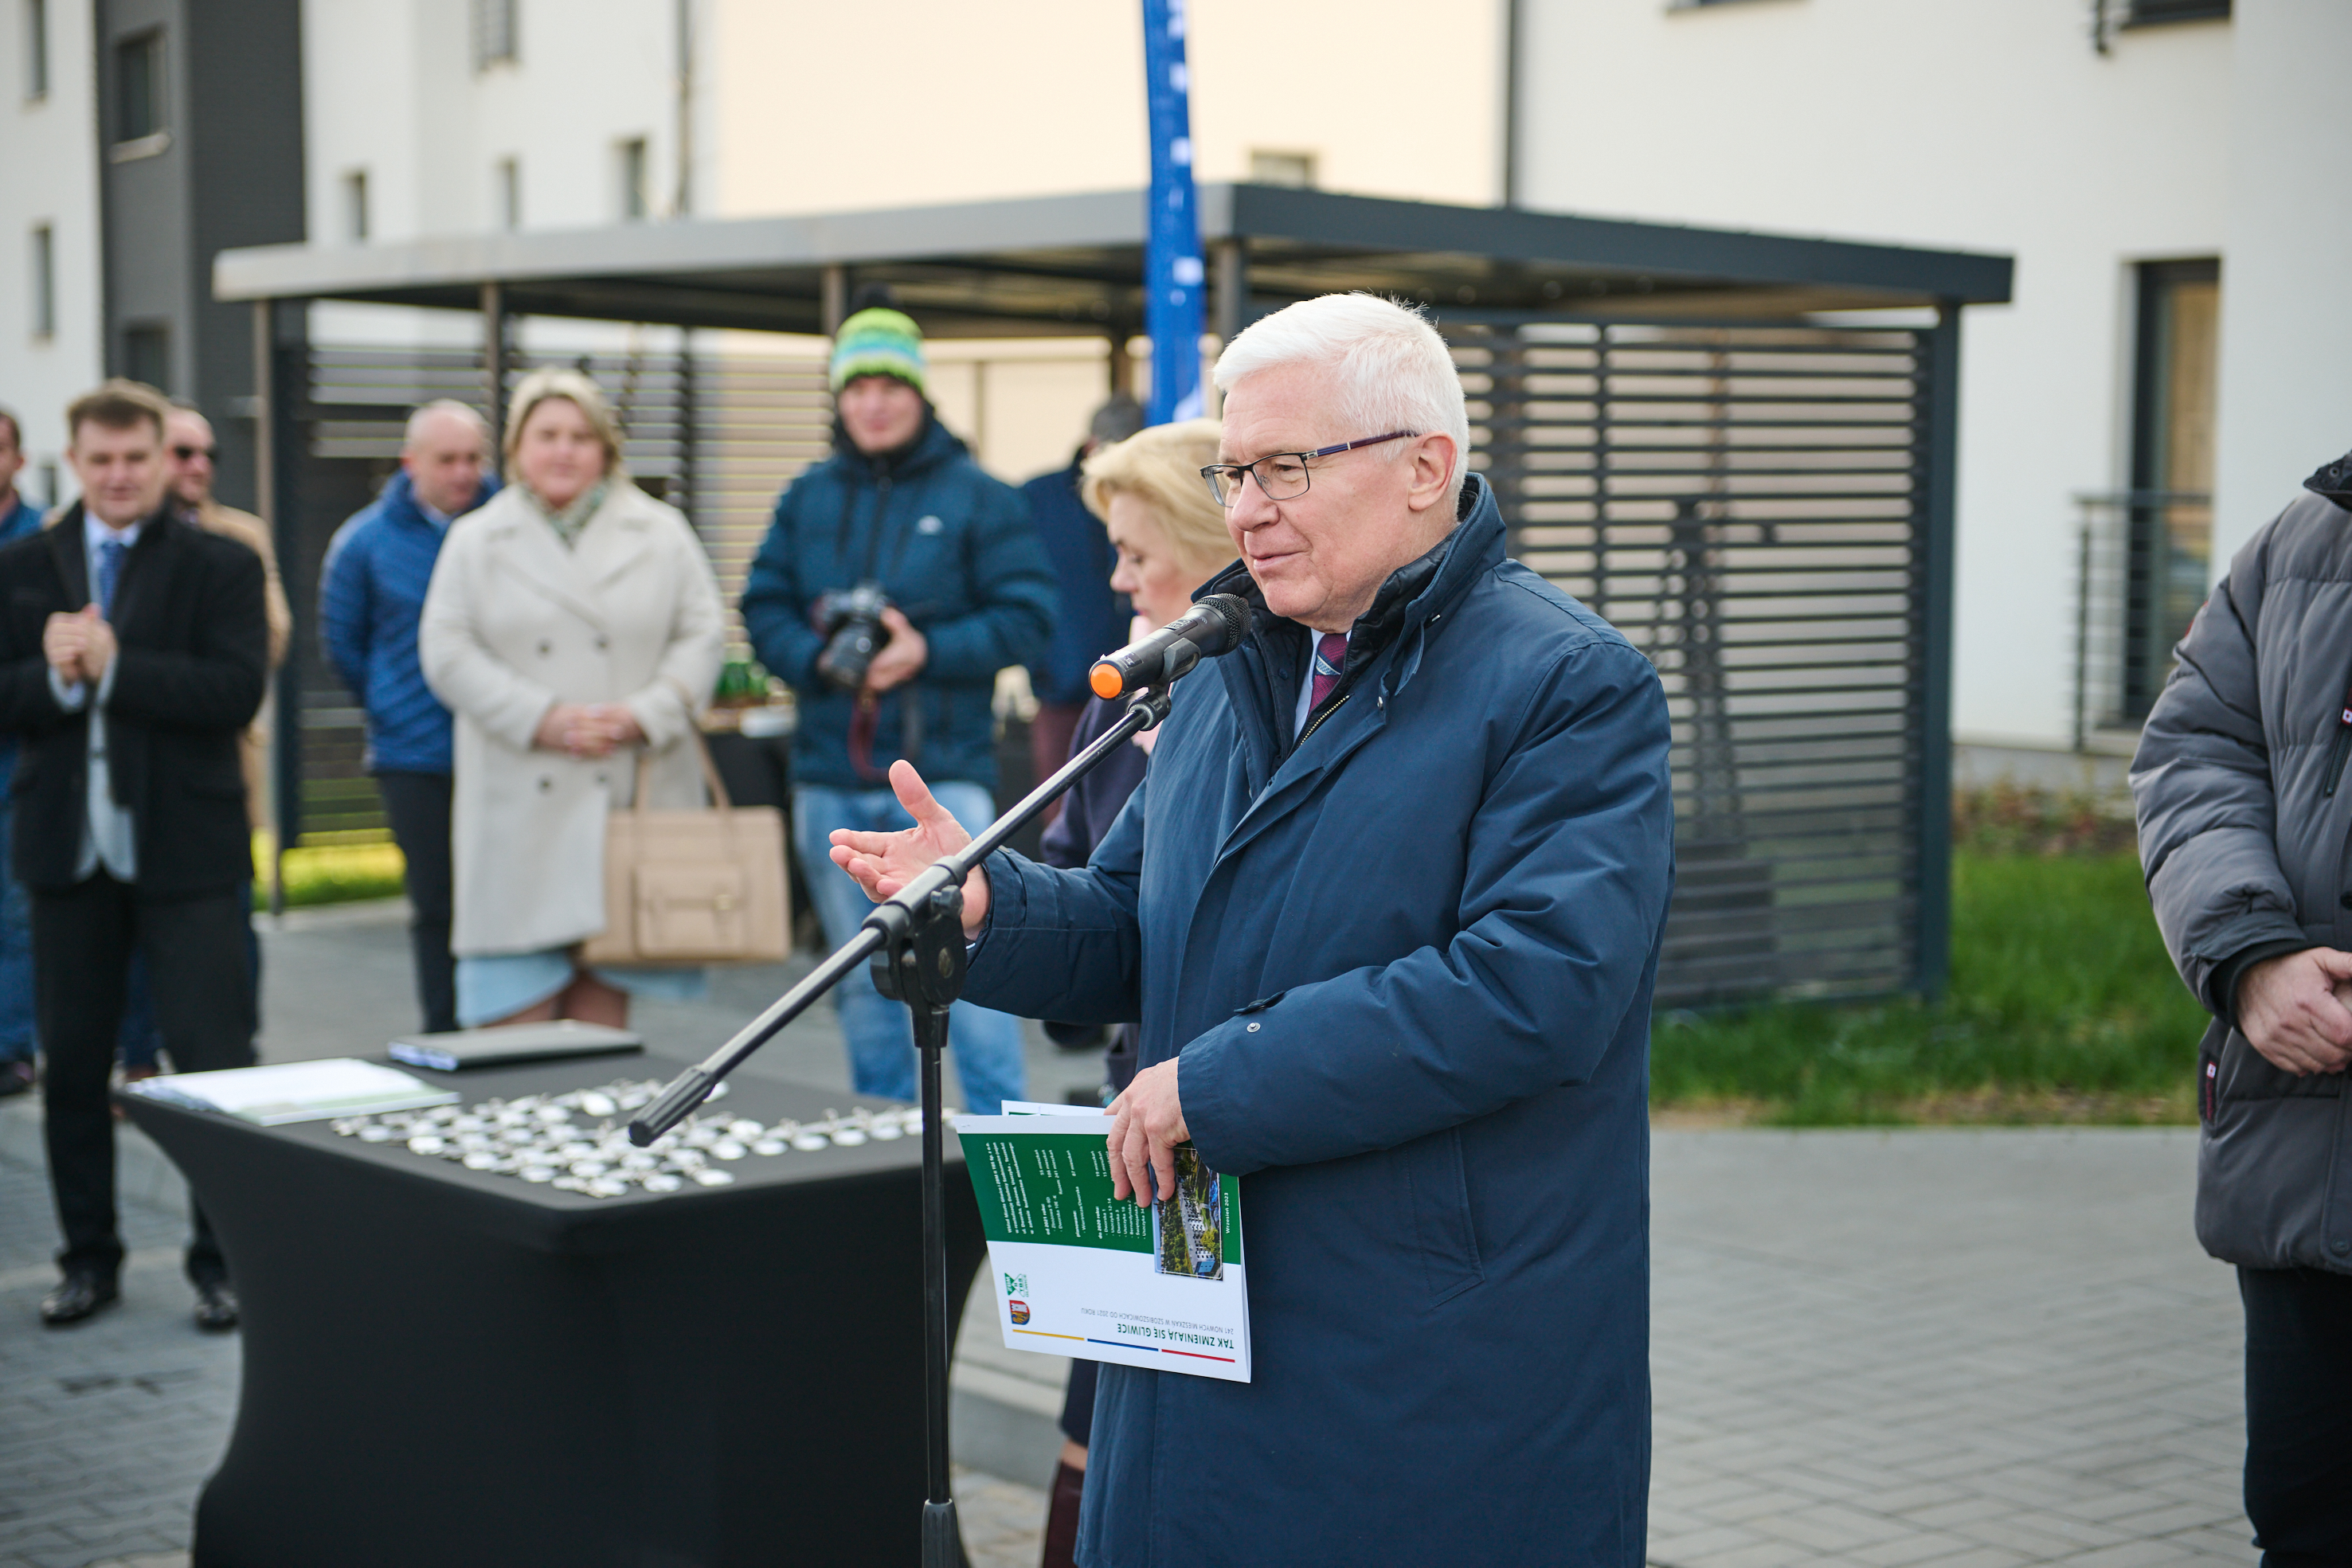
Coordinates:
<point>899,505</point>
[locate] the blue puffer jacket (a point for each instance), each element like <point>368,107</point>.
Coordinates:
<point>956,552</point>
<point>1405,964</point>
<point>371,593</point>
<point>21,520</point>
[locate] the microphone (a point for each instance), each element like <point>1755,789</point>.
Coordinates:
<point>1215,625</point>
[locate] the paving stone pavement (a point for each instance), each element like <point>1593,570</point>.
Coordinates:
<point>1958,1349</point>
<point>105,1429</point>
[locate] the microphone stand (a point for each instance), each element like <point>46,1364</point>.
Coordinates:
<point>914,940</point>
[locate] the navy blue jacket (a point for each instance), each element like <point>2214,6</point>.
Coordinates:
<point>371,595</point>
<point>955,551</point>
<point>1406,965</point>
<point>1094,620</point>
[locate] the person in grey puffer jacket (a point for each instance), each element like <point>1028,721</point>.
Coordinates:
<point>2245,832</point>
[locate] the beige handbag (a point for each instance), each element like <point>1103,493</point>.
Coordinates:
<point>693,887</point>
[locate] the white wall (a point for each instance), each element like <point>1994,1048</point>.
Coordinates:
<point>822,108</point>
<point>2286,289</point>
<point>1975,124</point>
<point>390,89</point>
<point>48,175</point>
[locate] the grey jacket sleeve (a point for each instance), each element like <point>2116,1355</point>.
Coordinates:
<point>2201,786</point>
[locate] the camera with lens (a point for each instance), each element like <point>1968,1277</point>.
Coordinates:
<point>851,620</point>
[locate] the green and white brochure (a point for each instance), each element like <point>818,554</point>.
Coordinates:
<point>1079,1272</point>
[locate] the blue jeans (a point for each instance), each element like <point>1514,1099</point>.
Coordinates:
<point>16,938</point>
<point>986,1045</point>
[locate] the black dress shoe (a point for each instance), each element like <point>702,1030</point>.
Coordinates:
<point>216,1306</point>
<point>17,1078</point>
<point>76,1297</point>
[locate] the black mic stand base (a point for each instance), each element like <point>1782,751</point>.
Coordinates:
<point>943,1541</point>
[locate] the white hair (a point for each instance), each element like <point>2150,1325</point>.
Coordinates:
<point>1394,372</point>
<point>414,431</point>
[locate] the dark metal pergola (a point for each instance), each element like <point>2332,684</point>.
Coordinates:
<point>1073,263</point>
<point>1653,403</point>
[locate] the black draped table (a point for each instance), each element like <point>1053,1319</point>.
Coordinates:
<point>455,1367</point>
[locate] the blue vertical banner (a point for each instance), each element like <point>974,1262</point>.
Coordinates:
<point>1172,274</point>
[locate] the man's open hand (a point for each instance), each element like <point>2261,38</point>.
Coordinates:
<point>1149,1122</point>
<point>882,863</point>
<point>2288,1010</point>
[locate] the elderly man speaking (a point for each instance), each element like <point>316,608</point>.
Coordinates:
<point>1387,906</point>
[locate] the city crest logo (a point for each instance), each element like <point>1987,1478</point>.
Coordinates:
<point>1019,1310</point>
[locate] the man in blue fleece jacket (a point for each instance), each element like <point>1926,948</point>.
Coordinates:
<point>372,591</point>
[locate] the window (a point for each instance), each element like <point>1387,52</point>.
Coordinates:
<point>1282,167</point>
<point>51,492</point>
<point>45,281</point>
<point>139,86</point>
<point>497,34</point>
<point>631,161</point>
<point>507,192</point>
<point>2170,517</point>
<point>36,48</point>
<point>2145,13</point>
<point>147,354</point>
<point>355,206</point>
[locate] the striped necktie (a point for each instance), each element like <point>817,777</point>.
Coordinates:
<point>1331,653</point>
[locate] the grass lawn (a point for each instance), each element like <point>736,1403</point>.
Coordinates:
<point>329,873</point>
<point>2062,1007</point>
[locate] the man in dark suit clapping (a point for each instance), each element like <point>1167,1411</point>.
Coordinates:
<point>133,652</point>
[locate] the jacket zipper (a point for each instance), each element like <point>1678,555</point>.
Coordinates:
<point>1319,717</point>
<point>2337,749</point>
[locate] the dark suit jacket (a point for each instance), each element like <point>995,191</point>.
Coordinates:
<point>194,655</point>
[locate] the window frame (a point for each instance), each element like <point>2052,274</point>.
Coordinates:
<point>633,172</point>
<point>155,131</point>
<point>497,34</point>
<point>37,51</point>
<point>357,214</point>
<point>43,243</point>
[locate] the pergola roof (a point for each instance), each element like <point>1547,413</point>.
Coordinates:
<point>1073,263</point>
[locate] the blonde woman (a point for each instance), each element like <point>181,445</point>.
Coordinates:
<point>572,620</point>
<point>1170,537</point>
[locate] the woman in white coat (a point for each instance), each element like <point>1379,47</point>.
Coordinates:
<point>572,620</point>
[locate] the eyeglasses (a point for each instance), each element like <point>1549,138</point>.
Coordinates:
<point>1280,475</point>
<point>190,454</point>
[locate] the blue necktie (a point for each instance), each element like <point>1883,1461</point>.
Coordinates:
<point>109,572</point>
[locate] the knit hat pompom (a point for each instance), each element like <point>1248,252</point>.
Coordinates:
<point>878,342</point>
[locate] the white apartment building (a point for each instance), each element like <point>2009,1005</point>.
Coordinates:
<point>50,346</point>
<point>2127,154</point>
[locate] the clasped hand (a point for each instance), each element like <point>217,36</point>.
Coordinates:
<point>2290,1012</point>
<point>587,730</point>
<point>1148,1121</point>
<point>78,646</point>
<point>900,659</point>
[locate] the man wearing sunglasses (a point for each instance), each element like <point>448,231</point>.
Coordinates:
<point>1388,907</point>
<point>192,451</point>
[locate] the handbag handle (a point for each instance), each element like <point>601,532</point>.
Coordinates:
<point>719,798</point>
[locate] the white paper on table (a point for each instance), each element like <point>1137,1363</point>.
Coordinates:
<point>296,1090</point>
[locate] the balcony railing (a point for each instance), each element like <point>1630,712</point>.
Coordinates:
<point>2141,560</point>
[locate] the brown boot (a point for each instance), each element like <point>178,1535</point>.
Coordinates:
<point>1062,1518</point>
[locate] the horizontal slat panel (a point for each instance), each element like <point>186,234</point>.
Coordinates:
<point>1743,504</point>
